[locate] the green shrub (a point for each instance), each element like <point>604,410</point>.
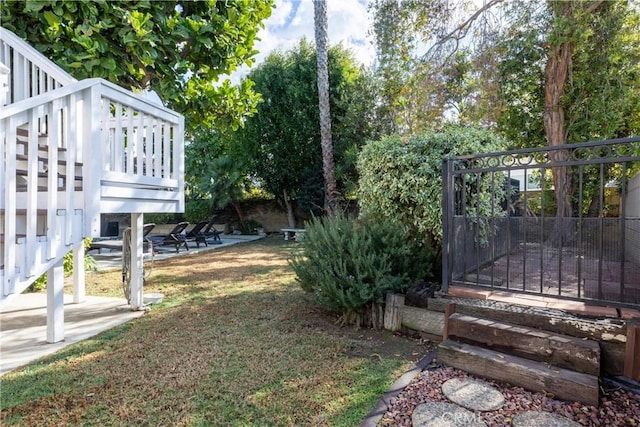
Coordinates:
<point>67,266</point>
<point>401,180</point>
<point>160,218</point>
<point>197,210</point>
<point>350,265</point>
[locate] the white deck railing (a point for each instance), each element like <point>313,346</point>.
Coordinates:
<point>132,151</point>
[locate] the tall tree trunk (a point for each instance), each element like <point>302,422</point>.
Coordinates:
<point>332,196</point>
<point>556,72</point>
<point>291,218</point>
<point>236,205</point>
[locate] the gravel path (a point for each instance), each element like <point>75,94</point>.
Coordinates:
<point>618,407</point>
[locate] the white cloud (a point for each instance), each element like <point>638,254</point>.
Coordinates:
<point>291,20</point>
<point>280,13</point>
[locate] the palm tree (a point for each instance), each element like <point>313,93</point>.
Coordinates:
<point>332,195</point>
<point>224,180</point>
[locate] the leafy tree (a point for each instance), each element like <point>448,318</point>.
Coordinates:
<point>213,173</point>
<point>426,89</point>
<point>179,48</point>
<point>546,73</point>
<point>584,80</point>
<point>331,194</point>
<point>283,138</point>
<point>562,44</point>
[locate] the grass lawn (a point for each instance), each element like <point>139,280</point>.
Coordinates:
<point>235,342</point>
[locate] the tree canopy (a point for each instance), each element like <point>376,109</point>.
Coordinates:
<point>283,137</point>
<point>541,73</point>
<point>486,64</point>
<point>600,97</point>
<point>180,49</point>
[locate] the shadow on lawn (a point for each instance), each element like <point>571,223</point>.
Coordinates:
<point>262,355</point>
<point>236,341</point>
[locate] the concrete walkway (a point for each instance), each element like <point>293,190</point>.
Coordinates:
<point>23,325</point>
<point>108,260</point>
<point>23,322</point>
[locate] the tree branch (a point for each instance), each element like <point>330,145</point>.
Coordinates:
<point>593,6</point>
<point>461,30</point>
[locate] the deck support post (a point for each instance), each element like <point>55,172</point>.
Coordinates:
<point>79,294</point>
<point>137,225</point>
<point>55,303</point>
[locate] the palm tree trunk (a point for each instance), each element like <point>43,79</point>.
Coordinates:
<point>332,195</point>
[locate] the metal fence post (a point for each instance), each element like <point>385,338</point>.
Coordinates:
<point>447,212</point>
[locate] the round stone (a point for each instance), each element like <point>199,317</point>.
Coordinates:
<point>542,419</point>
<point>473,394</point>
<point>442,414</point>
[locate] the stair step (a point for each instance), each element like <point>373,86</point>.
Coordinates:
<point>24,157</point>
<point>22,139</point>
<point>42,148</point>
<point>59,212</point>
<point>42,183</point>
<point>22,172</point>
<point>23,132</point>
<point>557,350</point>
<point>24,211</point>
<point>20,238</point>
<point>597,330</point>
<point>529,374</point>
<point>22,188</point>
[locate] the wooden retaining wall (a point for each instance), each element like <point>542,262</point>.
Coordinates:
<point>612,337</point>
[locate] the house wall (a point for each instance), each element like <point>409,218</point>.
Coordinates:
<point>632,222</point>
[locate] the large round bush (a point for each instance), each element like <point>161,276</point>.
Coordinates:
<point>401,179</point>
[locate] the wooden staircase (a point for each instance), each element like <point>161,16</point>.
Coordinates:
<point>74,150</point>
<point>42,235</point>
<point>42,164</point>
<point>563,366</point>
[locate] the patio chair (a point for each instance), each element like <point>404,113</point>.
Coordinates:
<point>196,234</point>
<point>116,245</point>
<point>210,233</point>
<point>175,238</point>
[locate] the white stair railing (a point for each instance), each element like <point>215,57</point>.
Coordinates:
<point>33,73</point>
<point>80,149</point>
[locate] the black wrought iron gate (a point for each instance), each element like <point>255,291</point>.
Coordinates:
<point>502,227</point>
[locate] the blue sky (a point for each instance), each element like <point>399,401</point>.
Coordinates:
<point>292,19</point>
